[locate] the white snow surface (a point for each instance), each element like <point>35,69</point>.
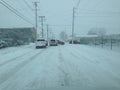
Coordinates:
<point>27,68</point>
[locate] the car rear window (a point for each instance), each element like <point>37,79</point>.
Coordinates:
<point>53,40</point>
<point>40,40</point>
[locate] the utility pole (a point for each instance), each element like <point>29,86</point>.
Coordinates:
<point>36,25</point>
<point>73,24</point>
<point>47,32</point>
<point>42,20</point>
<point>73,21</point>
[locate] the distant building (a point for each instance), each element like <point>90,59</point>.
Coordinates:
<point>81,37</point>
<point>95,39</point>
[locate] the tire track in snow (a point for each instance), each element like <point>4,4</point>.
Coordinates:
<point>10,73</point>
<point>80,56</point>
<point>64,76</point>
<point>94,59</point>
<point>95,62</point>
<point>101,56</point>
<point>13,49</point>
<point>14,59</point>
<point>83,57</point>
<point>70,70</point>
<point>45,76</point>
<point>42,80</point>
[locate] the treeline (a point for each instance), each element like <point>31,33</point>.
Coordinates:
<point>17,36</point>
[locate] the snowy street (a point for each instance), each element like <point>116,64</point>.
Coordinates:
<point>27,68</point>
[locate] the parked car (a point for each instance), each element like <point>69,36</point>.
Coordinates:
<point>3,44</point>
<point>74,42</point>
<point>60,42</point>
<point>47,43</point>
<point>41,43</point>
<point>53,42</point>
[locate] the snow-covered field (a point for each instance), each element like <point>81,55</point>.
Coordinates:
<point>73,66</point>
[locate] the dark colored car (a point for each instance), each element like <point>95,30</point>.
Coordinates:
<point>60,42</point>
<point>46,43</point>
<point>3,44</point>
<point>74,42</point>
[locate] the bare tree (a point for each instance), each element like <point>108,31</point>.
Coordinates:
<point>63,36</point>
<point>97,31</point>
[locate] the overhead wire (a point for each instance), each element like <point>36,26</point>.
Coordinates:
<point>60,25</point>
<point>30,11</point>
<point>77,5</point>
<point>27,5</point>
<point>99,14</point>
<point>13,10</point>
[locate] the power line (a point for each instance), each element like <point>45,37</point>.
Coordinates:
<point>26,10</point>
<point>59,25</point>
<point>98,3</point>
<point>102,12</point>
<point>27,5</point>
<point>96,16</point>
<point>15,11</point>
<point>99,14</point>
<point>78,4</point>
<point>95,13</point>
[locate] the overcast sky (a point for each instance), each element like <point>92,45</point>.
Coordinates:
<point>58,13</point>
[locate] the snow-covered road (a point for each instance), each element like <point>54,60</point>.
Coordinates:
<point>27,68</point>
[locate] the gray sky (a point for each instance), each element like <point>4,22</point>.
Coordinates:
<point>90,13</point>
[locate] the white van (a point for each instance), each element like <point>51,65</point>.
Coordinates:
<point>41,43</point>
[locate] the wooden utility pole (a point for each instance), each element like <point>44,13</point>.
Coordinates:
<point>47,32</point>
<point>42,20</point>
<point>111,41</point>
<point>36,16</point>
<point>73,24</point>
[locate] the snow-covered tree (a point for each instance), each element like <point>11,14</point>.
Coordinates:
<point>97,31</point>
<point>63,36</point>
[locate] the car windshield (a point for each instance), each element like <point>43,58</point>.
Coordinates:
<point>59,44</point>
